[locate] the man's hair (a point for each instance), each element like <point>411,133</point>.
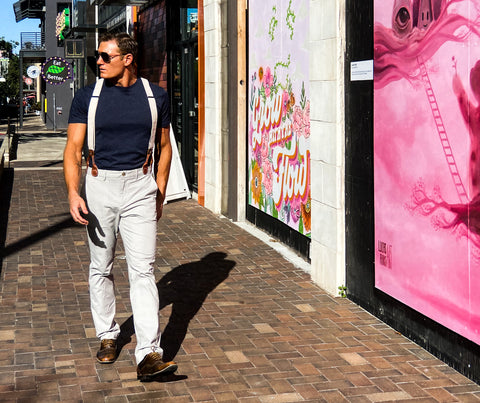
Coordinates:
<point>125,43</point>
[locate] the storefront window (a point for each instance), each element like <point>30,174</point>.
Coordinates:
<point>188,22</point>
<point>183,85</point>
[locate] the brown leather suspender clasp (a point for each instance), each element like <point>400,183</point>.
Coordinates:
<point>91,157</point>
<point>148,161</point>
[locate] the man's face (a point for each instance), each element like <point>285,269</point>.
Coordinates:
<point>117,63</point>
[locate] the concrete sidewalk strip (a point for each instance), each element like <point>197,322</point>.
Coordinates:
<point>243,323</point>
<point>36,146</point>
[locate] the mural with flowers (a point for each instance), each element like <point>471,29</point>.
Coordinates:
<point>279,112</point>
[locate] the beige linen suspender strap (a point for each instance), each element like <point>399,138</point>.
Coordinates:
<point>153,110</point>
<point>92,110</point>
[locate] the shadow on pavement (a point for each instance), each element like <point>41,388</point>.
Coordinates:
<point>37,164</point>
<point>34,136</point>
<point>13,146</point>
<point>6,186</point>
<point>185,287</point>
<point>168,378</point>
<point>35,237</point>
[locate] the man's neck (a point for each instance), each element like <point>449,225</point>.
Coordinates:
<point>126,80</point>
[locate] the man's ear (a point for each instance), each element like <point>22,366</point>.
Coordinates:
<point>128,59</point>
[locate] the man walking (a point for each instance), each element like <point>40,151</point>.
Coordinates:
<point>124,192</point>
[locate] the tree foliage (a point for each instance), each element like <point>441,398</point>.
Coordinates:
<point>7,46</point>
<point>9,89</point>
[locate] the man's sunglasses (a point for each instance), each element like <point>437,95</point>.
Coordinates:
<point>105,56</point>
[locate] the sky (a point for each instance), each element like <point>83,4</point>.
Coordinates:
<point>9,29</point>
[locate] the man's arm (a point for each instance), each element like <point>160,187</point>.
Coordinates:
<point>72,168</point>
<point>163,166</point>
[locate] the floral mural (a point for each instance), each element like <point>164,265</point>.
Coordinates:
<point>279,112</point>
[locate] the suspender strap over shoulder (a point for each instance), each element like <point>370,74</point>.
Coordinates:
<point>153,111</point>
<point>92,110</point>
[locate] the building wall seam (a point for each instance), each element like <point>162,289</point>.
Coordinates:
<point>328,152</point>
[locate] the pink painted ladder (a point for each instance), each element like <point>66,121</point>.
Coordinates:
<point>442,133</point>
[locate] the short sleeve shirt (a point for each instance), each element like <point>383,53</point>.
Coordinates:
<point>122,122</point>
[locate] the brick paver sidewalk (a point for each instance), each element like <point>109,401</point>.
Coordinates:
<point>243,324</point>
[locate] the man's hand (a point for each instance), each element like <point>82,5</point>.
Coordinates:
<point>77,208</point>
<point>72,169</point>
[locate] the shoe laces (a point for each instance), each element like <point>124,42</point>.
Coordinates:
<point>156,356</point>
<point>108,343</point>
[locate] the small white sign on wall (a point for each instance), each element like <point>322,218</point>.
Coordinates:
<point>361,71</point>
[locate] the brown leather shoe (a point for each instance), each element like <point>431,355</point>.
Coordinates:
<point>107,353</point>
<point>152,365</point>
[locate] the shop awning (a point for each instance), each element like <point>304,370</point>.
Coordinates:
<point>28,9</point>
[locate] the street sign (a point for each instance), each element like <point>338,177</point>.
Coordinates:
<point>33,71</point>
<point>56,70</point>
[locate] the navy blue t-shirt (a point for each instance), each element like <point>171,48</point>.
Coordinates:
<point>122,122</point>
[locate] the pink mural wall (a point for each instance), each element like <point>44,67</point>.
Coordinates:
<point>279,111</point>
<point>427,158</point>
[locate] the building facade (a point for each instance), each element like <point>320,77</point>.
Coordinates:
<point>295,57</point>
<point>58,93</point>
<point>410,157</point>
<point>45,51</point>
<point>289,89</point>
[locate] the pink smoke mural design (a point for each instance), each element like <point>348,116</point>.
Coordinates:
<point>427,157</point>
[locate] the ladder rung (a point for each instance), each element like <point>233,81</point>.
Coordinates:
<point>437,116</point>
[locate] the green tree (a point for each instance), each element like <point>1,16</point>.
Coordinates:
<point>9,89</point>
<point>7,47</point>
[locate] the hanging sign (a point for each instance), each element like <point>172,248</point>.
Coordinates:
<point>56,70</point>
<point>62,23</point>
<point>33,71</point>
